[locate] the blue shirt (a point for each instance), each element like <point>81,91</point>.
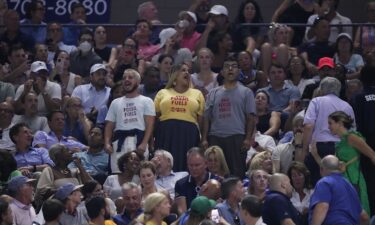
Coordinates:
<point>94,163</point>
<point>168,182</point>
<point>90,97</point>
<point>279,100</point>
<point>37,33</point>
<point>187,188</point>
<point>34,156</point>
<point>49,139</point>
<point>278,207</point>
<point>124,219</point>
<point>77,131</point>
<point>71,34</point>
<point>344,204</point>
<point>228,214</point>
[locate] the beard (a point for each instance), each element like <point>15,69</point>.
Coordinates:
<point>135,87</point>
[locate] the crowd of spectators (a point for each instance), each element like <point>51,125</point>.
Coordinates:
<point>207,122</point>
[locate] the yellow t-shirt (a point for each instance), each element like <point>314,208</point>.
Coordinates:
<point>153,223</point>
<point>180,106</point>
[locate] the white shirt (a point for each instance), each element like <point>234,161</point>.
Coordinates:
<point>264,141</point>
<point>284,154</point>
<point>90,97</point>
<point>53,90</point>
<point>113,188</point>
<point>22,214</point>
<point>260,221</point>
<point>335,31</point>
<point>300,204</point>
<point>128,113</point>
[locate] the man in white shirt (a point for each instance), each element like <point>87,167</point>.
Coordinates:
<point>131,117</point>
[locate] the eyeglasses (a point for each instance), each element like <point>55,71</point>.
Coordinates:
<point>233,66</point>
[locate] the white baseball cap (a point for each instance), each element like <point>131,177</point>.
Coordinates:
<point>191,14</point>
<point>97,67</point>
<point>165,34</point>
<point>38,66</point>
<point>219,10</point>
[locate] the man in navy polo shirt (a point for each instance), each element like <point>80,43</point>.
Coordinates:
<point>187,188</point>
<point>335,201</point>
<point>277,208</point>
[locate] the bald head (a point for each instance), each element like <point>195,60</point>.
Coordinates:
<point>330,164</point>
<point>277,180</point>
<point>211,189</point>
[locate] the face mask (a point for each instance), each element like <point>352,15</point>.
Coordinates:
<point>84,47</point>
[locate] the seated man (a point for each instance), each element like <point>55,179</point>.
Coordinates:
<point>95,159</point>
<point>30,116</point>
<point>29,159</point>
<point>187,188</point>
<point>56,124</point>
<point>132,195</point>
<point>166,178</point>
<point>49,93</point>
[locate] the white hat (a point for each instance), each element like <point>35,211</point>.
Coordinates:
<point>219,10</point>
<point>191,14</point>
<point>165,34</point>
<point>37,66</point>
<point>344,35</point>
<point>97,67</point>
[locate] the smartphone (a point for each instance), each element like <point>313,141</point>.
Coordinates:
<point>215,215</point>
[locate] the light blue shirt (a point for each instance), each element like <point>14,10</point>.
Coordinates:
<point>228,214</point>
<point>38,33</point>
<point>90,97</point>
<point>94,163</point>
<point>168,182</point>
<point>49,139</point>
<point>34,156</point>
<point>279,100</point>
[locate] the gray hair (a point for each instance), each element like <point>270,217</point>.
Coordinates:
<point>129,186</point>
<point>56,150</point>
<point>330,85</point>
<point>142,6</point>
<point>166,154</point>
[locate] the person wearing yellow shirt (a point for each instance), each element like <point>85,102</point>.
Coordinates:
<point>179,108</point>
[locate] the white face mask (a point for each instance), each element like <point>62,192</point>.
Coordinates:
<point>85,47</point>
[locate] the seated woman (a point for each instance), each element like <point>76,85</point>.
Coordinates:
<point>60,74</point>
<point>165,63</point>
<point>277,49</point>
<point>299,176</point>
<point>142,34</point>
<point>345,56</point>
<point>54,177</point>
<point>258,183</point>
<point>147,176</point>
<point>205,79</point>
<point>77,125</point>
<point>262,161</point>
<point>268,121</point>
<point>249,38</point>
<point>250,77</point>
<point>129,166</point>
<point>297,73</point>
<point>216,163</point>
<point>221,46</point>
<point>156,208</point>
<point>101,47</point>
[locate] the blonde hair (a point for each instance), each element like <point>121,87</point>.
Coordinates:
<point>272,31</point>
<point>134,72</point>
<point>172,78</point>
<point>218,152</point>
<point>258,159</point>
<point>151,202</point>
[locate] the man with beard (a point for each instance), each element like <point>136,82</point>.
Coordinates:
<point>95,94</point>
<point>170,44</point>
<point>98,211</point>
<point>95,159</point>
<point>277,208</point>
<point>131,117</point>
